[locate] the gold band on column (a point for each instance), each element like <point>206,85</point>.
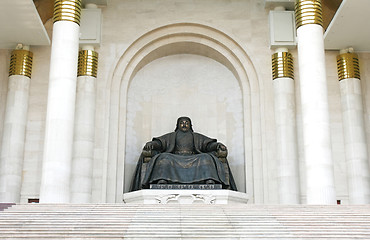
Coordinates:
<point>67,10</point>
<point>87,63</point>
<point>348,66</point>
<point>282,65</point>
<point>308,12</point>
<point>21,63</point>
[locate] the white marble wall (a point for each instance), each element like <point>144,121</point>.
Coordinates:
<point>35,130</point>
<point>365,86</point>
<point>4,72</point>
<point>244,21</point>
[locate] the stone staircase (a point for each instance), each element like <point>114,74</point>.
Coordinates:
<point>238,221</point>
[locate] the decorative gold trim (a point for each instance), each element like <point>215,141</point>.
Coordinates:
<point>348,66</point>
<point>21,63</point>
<point>282,65</point>
<point>67,10</point>
<point>308,12</point>
<point>87,63</point>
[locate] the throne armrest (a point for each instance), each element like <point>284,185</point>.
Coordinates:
<point>148,154</point>
<point>220,154</point>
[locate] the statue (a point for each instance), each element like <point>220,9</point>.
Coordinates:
<point>183,157</point>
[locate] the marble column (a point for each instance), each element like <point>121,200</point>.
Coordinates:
<point>12,147</point>
<point>315,110</point>
<point>56,170</point>
<point>354,128</point>
<point>285,119</point>
<point>83,143</point>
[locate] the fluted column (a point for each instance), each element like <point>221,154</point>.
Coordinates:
<point>12,147</point>
<point>83,143</point>
<point>56,169</point>
<point>315,111</point>
<point>286,136</point>
<point>354,129</point>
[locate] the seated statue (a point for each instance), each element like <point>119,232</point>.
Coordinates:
<point>183,157</point>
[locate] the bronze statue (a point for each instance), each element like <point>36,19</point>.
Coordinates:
<point>183,157</point>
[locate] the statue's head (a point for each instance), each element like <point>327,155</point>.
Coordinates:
<point>184,124</point>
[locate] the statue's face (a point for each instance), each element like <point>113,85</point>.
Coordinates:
<point>184,125</point>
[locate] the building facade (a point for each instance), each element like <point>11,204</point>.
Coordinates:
<point>296,130</point>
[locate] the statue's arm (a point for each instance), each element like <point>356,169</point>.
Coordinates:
<point>150,149</point>
<point>153,145</point>
<point>212,147</point>
<point>219,148</point>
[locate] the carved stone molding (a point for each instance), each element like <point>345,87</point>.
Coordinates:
<point>186,198</point>
<point>157,196</point>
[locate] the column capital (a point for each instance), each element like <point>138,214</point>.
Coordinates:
<point>67,10</point>
<point>282,65</point>
<point>348,66</point>
<point>21,63</point>
<point>87,63</point>
<point>308,12</point>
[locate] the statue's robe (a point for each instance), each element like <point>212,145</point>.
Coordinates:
<point>185,169</point>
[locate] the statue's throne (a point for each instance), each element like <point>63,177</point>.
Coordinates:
<point>148,154</point>
<point>169,194</point>
<point>184,169</point>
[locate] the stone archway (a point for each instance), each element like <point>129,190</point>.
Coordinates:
<point>188,38</point>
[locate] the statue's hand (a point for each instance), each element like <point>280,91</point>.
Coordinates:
<point>148,149</point>
<point>221,150</point>
<point>221,147</point>
<point>151,148</point>
<point>148,146</point>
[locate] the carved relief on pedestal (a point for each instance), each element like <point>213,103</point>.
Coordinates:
<point>186,198</point>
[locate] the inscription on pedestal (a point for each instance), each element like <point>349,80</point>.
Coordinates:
<point>186,186</point>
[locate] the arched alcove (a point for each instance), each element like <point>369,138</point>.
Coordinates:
<point>181,38</point>
<point>185,85</point>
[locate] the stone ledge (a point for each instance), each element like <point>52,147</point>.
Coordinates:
<point>4,206</point>
<point>186,186</point>
<point>180,196</point>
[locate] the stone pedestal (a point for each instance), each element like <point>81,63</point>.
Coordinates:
<point>178,196</point>
<point>186,186</point>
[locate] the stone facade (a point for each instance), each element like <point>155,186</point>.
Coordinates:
<point>162,59</point>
